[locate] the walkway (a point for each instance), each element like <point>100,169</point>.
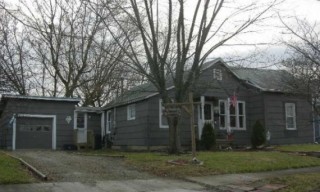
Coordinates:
<point>245,182</point>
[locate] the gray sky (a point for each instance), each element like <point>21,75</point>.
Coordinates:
<point>270,32</point>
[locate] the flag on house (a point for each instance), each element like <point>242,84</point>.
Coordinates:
<point>233,100</point>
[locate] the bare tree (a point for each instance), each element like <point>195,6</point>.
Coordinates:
<point>16,73</point>
<point>304,61</point>
<point>172,41</point>
<point>62,35</point>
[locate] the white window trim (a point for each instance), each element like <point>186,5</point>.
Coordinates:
<point>294,116</point>
<point>129,107</point>
<point>108,127</point>
<point>161,108</point>
<point>217,74</point>
<point>227,113</point>
<point>75,120</point>
<point>54,128</point>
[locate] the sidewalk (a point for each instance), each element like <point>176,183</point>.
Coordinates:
<point>244,182</point>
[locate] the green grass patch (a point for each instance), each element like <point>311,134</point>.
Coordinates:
<point>217,162</point>
<point>300,148</point>
<point>297,183</point>
<point>12,172</point>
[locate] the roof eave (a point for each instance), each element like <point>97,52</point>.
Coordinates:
<point>77,100</point>
<point>134,100</point>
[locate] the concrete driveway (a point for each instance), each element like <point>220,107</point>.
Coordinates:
<point>71,172</point>
<point>145,185</point>
<point>61,166</point>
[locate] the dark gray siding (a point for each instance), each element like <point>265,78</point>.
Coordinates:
<point>59,108</point>
<point>5,127</point>
<point>275,119</point>
<point>160,136</point>
<point>131,132</point>
<point>94,123</point>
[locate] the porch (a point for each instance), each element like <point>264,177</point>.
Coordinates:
<point>88,127</point>
<point>224,114</point>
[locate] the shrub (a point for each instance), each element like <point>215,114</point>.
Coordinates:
<point>208,137</point>
<point>258,136</point>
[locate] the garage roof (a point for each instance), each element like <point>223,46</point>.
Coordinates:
<point>5,96</point>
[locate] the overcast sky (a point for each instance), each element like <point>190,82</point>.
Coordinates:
<point>271,32</point>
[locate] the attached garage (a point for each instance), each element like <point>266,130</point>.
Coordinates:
<point>30,122</point>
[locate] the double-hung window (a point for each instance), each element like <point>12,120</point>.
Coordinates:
<point>131,112</point>
<point>235,114</point>
<point>290,116</point>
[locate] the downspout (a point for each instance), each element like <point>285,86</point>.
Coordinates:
<point>13,121</point>
<point>147,129</point>
<point>202,99</point>
<point>313,120</point>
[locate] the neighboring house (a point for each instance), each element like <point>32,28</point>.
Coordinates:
<point>28,122</point>
<point>230,98</point>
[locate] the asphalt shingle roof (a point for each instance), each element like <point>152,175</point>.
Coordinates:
<point>264,79</point>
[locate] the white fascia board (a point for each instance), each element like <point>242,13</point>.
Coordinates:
<point>42,98</point>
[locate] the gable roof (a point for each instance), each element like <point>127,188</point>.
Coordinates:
<point>263,79</point>
<point>269,80</point>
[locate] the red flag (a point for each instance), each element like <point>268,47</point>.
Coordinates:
<point>233,100</point>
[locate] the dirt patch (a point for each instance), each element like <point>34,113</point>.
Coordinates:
<point>62,166</point>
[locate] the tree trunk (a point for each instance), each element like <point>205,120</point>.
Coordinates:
<point>174,136</point>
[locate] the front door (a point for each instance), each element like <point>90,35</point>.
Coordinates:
<point>81,127</point>
<point>207,113</point>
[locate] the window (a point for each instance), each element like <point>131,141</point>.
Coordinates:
<point>80,120</point>
<point>217,74</point>
<point>34,128</point>
<point>290,116</point>
<point>163,123</point>
<point>208,111</point>
<point>109,122</point>
<point>236,115</point>
<point>131,112</point>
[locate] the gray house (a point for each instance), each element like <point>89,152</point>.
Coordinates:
<point>36,122</point>
<point>231,98</point>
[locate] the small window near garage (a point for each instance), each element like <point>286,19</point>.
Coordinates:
<point>290,109</point>
<point>80,120</point>
<point>131,112</point>
<point>163,123</point>
<point>217,74</point>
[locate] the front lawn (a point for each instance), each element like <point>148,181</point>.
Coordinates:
<point>12,172</point>
<point>299,148</point>
<point>217,162</point>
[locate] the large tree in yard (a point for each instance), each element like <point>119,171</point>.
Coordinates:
<point>173,38</point>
